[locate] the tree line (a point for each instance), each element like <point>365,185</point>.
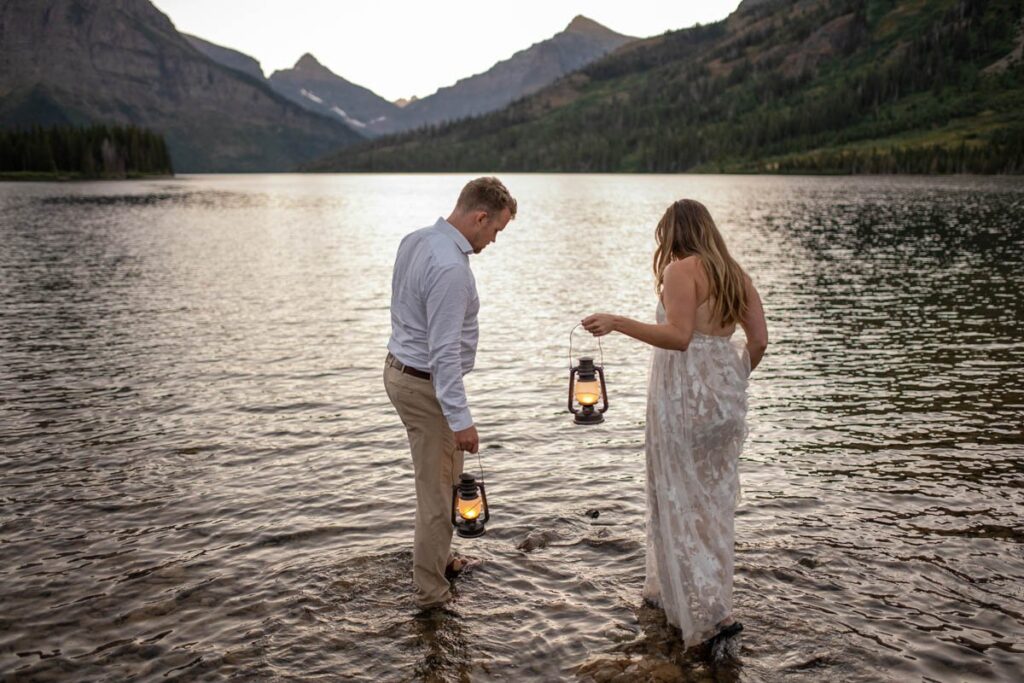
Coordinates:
<point>95,151</point>
<point>1004,154</point>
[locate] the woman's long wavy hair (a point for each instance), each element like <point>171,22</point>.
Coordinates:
<point>687,229</point>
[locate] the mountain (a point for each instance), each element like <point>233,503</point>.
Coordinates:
<point>779,86</point>
<point>317,88</point>
<point>525,72</point>
<point>122,61</point>
<point>233,59</point>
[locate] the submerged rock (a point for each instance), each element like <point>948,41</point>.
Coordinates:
<point>537,539</point>
<point>804,662</point>
<point>606,669</point>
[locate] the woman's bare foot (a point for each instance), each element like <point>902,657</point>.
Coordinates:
<point>727,628</point>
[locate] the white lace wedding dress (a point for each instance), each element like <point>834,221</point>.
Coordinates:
<point>696,425</point>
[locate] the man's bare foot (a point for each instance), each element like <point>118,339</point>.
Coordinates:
<point>459,564</point>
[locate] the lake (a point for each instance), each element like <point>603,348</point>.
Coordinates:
<point>202,477</point>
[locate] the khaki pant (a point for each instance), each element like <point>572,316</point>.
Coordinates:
<point>437,464</point>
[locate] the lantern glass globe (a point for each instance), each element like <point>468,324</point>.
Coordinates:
<point>470,509</point>
<point>588,392</point>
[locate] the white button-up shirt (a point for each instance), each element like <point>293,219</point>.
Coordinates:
<point>434,308</point>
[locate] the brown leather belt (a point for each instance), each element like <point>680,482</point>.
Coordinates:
<point>402,367</point>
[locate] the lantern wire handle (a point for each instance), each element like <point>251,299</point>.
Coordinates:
<point>599,348</point>
<point>479,463</point>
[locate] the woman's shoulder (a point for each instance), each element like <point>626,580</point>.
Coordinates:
<point>689,268</point>
<point>686,272</point>
<point>691,265</point>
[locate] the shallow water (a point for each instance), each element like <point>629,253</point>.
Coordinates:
<point>202,477</point>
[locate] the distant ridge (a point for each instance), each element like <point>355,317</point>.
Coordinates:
<point>317,88</point>
<point>233,59</point>
<point>581,42</point>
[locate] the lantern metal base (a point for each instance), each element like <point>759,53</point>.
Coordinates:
<point>589,418</point>
<point>475,531</point>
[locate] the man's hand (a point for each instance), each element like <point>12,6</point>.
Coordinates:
<point>467,439</point>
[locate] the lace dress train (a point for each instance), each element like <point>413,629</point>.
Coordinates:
<point>696,426</point>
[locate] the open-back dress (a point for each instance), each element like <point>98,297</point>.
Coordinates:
<point>696,426</point>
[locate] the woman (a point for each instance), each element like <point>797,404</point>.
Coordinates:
<point>696,418</point>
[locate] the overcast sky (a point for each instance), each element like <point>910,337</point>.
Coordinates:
<point>399,48</point>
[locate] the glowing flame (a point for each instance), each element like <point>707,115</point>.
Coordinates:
<point>588,393</point>
<point>470,509</point>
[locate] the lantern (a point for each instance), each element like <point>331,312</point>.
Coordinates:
<point>586,388</point>
<point>469,507</point>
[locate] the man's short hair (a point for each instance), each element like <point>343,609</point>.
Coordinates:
<point>486,194</point>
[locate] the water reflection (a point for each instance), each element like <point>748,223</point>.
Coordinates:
<point>192,419</point>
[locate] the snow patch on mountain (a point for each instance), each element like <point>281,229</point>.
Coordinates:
<point>348,119</point>
<point>311,96</point>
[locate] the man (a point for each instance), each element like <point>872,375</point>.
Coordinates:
<point>433,341</point>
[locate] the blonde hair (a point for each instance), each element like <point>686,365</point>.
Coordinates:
<point>487,194</point>
<point>687,229</point>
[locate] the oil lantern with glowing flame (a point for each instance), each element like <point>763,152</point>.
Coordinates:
<point>586,388</point>
<point>469,507</point>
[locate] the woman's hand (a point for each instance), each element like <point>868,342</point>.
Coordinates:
<point>599,324</point>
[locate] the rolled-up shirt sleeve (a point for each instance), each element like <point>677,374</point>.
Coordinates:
<point>448,295</point>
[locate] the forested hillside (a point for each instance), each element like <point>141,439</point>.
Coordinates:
<point>779,86</point>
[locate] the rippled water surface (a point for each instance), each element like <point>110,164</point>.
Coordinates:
<point>203,479</point>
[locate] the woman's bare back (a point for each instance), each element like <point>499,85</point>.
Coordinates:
<point>707,324</point>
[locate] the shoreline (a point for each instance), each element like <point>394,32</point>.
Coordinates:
<point>63,177</point>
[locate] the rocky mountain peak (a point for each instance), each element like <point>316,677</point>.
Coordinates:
<point>747,5</point>
<point>586,26</point>
<point>309,66</point>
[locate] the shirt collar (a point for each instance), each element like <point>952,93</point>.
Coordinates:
<point>460,240</point>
